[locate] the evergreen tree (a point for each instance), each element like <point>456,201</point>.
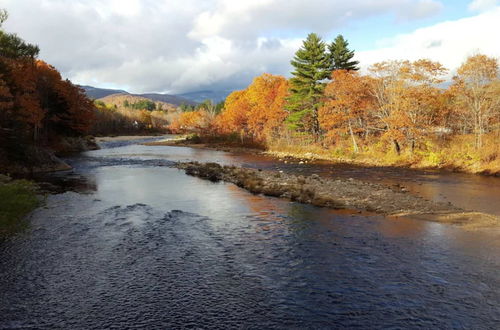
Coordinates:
<point>13,47</point>
<point>311,63</point>
<point>341,56</point>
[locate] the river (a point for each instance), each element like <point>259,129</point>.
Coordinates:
<point>131,242</point>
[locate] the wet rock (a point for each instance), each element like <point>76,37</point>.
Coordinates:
<point>210,171</point>
<point>334,193</point>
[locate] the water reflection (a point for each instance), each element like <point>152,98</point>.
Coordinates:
<point>152,247</point>
<point>472,192</point>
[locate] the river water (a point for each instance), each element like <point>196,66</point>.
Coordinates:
<point>136,243</point>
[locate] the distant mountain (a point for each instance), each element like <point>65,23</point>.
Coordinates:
<point>200,96</point>
<point>172,99</point>
<point>98,93</point>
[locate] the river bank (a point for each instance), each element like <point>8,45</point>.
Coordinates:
<point>29,160</point>
<point>306,154</point>
<point>101,139</point>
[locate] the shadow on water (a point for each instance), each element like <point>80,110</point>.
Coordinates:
<point>151,247</point>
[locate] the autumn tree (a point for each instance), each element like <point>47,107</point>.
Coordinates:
<point>234,116</point>
<point>37,105</point>
<point>406,98</point>
<point>27,107</point>
<point>311,64</point>
<point>476,87</point>
<point>21,111</point>
<point>340,56</point>
<point>422,100</point>
<point>192,121</point>
<point>266,96</point>
<point>258,111</point>
<point>348,100</point>
<point>69,111</point>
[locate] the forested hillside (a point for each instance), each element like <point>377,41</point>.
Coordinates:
<point>130,114</point>
<point>177,100</point>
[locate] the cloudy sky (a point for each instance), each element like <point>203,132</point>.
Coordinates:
<point>180,46</point>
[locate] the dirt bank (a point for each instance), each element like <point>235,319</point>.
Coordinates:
<point>339,194</point>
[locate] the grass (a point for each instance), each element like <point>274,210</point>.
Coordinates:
<point>454,153</point>
<point>17,199</point>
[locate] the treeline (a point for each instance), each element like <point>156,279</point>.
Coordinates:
<point>196,118</point>
<point>207,105</point>
<point>126,119</point>
<point>37,106</point>
<point>140,105</point>
<point>401,112</point>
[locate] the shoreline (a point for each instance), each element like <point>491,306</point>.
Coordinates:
<point>311,157</point>
<point>48,158</point>
<point>99,139</point>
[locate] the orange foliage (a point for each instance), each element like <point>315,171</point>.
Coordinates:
<point>257,111</point>
<point>192,121</point>
<point>476,90</point>
<point>37,104</point>
<point>348,99</point>
<point>234,116</point>
<point>66,104</point>
<point>407,102</point>
<point>25,95</point>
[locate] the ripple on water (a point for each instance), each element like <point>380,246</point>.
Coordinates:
<point>189,253</point>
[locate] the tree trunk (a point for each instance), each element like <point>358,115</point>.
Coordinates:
<point>480,133</point>
<point>354,144</point>
<point>477,131</point>
<point>397,147</point>
<point>315,125</point>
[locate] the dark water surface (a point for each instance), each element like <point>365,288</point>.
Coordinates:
<point>138,244</point>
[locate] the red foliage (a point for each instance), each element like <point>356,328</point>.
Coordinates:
<point>36,103</point>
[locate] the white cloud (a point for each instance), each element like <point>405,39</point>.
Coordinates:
<point>449,42</point>
<point>185,45</point>
<point>249,18</point>
<point>425,8</point>
<point>483,5</point>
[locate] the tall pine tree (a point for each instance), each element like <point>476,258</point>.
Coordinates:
<point>311,63</point>
<point>341,56</point>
